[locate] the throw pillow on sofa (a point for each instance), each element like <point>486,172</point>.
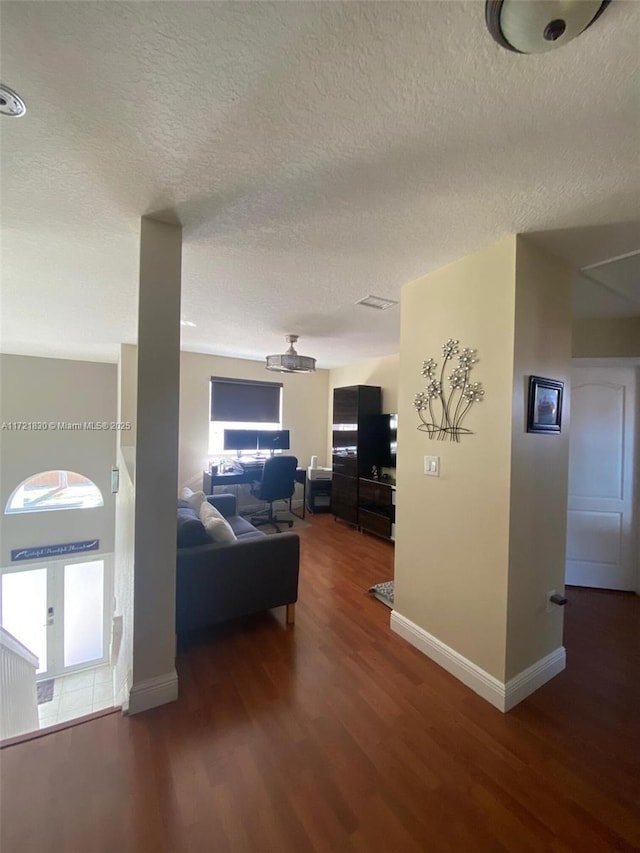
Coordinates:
<point>208,511</point>
<point>196,499</point>
<point>219,530</point>
<point>216,526</point>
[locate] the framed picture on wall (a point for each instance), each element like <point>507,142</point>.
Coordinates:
<point>545,405</point>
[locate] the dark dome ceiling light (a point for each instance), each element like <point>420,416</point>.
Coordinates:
<point>537,26</point>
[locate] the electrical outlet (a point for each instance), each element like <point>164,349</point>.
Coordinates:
<point>432,466</point>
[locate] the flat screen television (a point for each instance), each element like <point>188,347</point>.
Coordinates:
<point>393,440</point>
<point>240,439</point>
<point>383,430</point>
<point>273,439</point>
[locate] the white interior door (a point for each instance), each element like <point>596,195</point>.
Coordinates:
<point>600,523</point>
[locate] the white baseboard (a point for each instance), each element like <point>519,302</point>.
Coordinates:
<point>464,670</point>
<point>502,696</point>
<point>528,681</point>
<point>153,692</point>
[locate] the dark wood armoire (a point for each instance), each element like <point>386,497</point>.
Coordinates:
<point>354,445</point>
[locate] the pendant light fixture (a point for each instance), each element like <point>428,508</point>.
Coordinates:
<point>537,26</point>
<point>290,361</point>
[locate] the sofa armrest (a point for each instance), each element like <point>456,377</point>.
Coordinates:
<point>219,582</point>
<point>224,503</point>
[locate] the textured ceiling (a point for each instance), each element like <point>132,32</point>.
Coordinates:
<point>609,290</point>
<point>313,152</point>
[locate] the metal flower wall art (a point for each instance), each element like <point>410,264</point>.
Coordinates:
<point>444,403</point>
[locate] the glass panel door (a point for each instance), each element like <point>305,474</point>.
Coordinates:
<point>84,616</point>
<point>25,611</point>
<point>60,612</point>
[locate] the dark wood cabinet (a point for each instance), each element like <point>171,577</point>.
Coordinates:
<point>344,498</point>
<point>376,507</point>
<point>353,446</point>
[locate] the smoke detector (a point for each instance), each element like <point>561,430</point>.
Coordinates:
<point>11,104</point>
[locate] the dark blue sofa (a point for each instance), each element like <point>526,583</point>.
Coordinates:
<point>216,582</point>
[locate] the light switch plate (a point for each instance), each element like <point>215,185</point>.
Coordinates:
<point>432,466</point>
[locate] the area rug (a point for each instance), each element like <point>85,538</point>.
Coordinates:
<point>383,592</point>
<point>45,691</point>
<point>298,524</point>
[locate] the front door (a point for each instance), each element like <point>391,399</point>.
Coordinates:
<point>600,524</point>
<point>60,612</point>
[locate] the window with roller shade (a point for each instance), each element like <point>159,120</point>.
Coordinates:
<point>242,404</point>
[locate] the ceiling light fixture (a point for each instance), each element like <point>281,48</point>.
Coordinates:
<point>537,26</point>
<point>290,361</point>
<point>11,104</point>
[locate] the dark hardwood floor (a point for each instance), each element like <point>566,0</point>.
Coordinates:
<point>335,735</point>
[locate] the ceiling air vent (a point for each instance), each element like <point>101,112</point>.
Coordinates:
<point>377,302</point>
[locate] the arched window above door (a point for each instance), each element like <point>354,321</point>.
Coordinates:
<point>54,490</point>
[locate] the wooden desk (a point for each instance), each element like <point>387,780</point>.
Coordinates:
<point>210,481</point>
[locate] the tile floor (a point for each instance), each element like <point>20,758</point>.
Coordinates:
<point>76,695</point>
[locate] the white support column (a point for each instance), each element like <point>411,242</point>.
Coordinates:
<point>155,680</point>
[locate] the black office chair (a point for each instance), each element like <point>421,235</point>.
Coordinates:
<point>278,484</point>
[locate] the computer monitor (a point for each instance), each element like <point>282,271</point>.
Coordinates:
<point>273,439</point>
<point>240,439</point>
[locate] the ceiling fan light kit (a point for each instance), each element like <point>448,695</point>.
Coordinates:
<point>290,361</point>
<point>538,26</point>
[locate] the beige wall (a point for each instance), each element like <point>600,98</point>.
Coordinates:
<point>478,548</point>
<point>128,391</point>
<point>371,371</point>
<point>611,338</point>
<point>51,390</point>
<point>304,409</point>
<point>539,463</point>
<point>452,531</point>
